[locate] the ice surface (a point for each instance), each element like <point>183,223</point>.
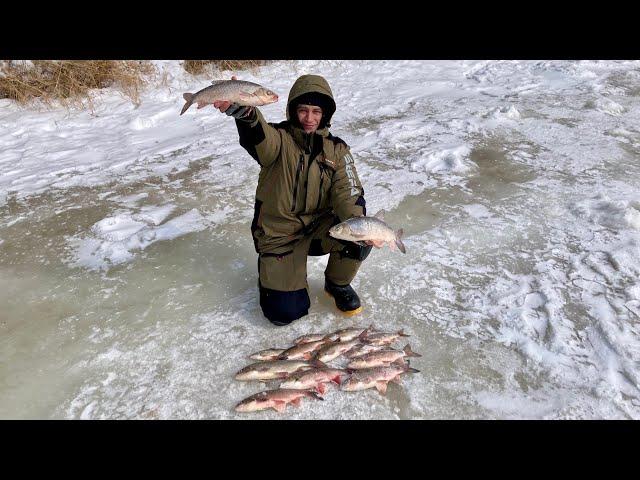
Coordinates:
<point>128,274</point>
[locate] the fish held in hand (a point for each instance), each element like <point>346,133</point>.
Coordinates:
<point>361,229</point>
<point>240,92</point>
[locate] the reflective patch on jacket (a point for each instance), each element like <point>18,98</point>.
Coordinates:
<point>348,160</point>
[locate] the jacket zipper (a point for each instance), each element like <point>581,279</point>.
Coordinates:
<point>320,191</point>
<point>295,185</point>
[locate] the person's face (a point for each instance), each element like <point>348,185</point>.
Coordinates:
<point>309,117</point>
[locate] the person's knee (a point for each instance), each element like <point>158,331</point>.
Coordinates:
<point>282,308</point>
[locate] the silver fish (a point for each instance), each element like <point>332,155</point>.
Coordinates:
<point>363,349</point>
<point>316,378</point>
<point>382,358</point>
<point>359,229</point>
<point>384,338</point>
<point>347,334</point>
<point>268,354</point>
<point>304,351</point>
<point>277,399</point>
<point>272,370</point>
<point>311,337</point>
<point>334,350</point>
<point>377,377</point>
<point>235,91</point>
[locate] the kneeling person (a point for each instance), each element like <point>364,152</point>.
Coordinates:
<point>307,183</point>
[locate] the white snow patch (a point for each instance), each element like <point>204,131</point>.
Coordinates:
<point>115,239</point>
<point>452,159</point>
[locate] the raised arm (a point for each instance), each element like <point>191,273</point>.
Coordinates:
<point>257,137</point>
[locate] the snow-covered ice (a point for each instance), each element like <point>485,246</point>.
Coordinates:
<point>128,275</point>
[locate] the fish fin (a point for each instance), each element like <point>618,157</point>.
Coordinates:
<point>380,215</point>
<point>216,82</point>
<point>381,387</point>
<point>361,243</point>
<point>400,362</point>
<point>397,380</point>
<point>317,363</point>
<point>296,402</point>
<point>311,393</point>
<point>321,388</point>
<point>336,379</point>
<point>363,335</point>
<point>279,406</point>
<point>398,241</point>
<point>189,98</point>
<point>245,96</point>
<point>410,353</point>
<point>402,334</point>
<point>412,370</point>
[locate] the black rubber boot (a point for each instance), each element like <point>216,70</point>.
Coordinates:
<point>346,298</point>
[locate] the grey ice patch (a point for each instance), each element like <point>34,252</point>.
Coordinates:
<point>601,210</point>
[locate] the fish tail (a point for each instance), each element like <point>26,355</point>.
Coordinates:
<point>189,98</point>
<point>398,241</point>
<point>363,335</point>
<point>410,353</point>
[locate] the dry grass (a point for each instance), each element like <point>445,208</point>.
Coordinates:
<point>197,67</point>
<point>69,81</point>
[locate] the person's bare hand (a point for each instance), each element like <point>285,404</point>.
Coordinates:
<point>223,105</point>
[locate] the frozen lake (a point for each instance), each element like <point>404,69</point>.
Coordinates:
<point>128,284</point>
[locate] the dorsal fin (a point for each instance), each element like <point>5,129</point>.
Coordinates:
<point>380,215</point>
<point>215,82</point>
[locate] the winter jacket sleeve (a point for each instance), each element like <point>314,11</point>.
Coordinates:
<point>261,140</point>
<point>347,194</point>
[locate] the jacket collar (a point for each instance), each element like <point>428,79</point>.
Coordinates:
<point>309,142</point>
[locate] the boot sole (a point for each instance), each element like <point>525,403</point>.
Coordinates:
<point>348,313</point>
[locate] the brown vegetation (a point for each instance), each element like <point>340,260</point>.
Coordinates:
<point>197,67</point>
<point>69,81</point>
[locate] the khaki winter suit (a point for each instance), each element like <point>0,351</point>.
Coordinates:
<point>307,183</point>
